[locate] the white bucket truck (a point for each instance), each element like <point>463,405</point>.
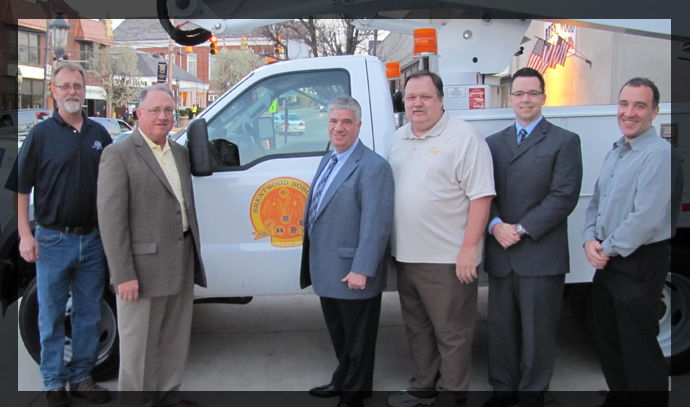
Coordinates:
<point>251,180</point>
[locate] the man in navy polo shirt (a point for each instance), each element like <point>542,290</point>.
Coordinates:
<point>59,160</point>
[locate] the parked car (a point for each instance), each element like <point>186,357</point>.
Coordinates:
<point>294,124</point>
<point>21,121</point>
<point>114,126</point>
<point>122,136</point>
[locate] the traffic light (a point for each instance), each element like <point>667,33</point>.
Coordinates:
<point>214,45</point>
<point>278,47</point>
<point>243,43</point>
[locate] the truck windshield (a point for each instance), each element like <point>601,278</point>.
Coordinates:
<point>279,115</point>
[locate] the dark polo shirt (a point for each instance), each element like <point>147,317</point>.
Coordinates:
<point>61,164</point>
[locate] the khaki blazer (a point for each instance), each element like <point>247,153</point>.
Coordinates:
<point>141,220</point>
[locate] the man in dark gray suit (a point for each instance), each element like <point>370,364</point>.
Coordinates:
<point>537,172</point>
<point>347,223</point>
<point>150,234</point>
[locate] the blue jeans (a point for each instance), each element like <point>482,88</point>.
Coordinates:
<point>69,263</point>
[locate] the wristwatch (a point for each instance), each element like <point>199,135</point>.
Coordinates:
<point>520,230</point>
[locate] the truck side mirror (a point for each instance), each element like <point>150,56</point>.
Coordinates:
<point>398,102</point>
<point>267,133</point>
<point>198,145</point>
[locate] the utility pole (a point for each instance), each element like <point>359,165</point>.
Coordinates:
<point>46,59</point>
<point>171,65</point>
<point>45,69</point>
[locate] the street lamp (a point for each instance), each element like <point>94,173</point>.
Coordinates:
<point>59,29</point>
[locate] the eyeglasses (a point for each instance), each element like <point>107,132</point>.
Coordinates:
<point>532,93</point>
<point>76,86</point>
<point>168,111</point>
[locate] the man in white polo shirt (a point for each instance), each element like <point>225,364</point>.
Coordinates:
<point>443,189</point>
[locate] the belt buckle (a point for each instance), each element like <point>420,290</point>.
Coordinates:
<point>79,230</point>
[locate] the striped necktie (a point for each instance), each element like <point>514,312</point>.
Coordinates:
<point>522,135</point>
<point>316,198</point>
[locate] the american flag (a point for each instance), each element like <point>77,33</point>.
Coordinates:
<point>564,53</point>
<point>549,54</point>
<point>560,52</point>
<point>535,59</point>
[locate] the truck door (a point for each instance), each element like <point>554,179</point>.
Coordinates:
<point>265,147</point>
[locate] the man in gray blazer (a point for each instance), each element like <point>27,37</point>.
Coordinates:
<point>537,173</point>
<point>347,223</point>
<point>151,238</point>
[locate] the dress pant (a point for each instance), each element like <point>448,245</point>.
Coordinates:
<point>625,318</point>
<point>154,342</point>
<point>523,317</point>
<point>353,328</point>
<point>439,313</point>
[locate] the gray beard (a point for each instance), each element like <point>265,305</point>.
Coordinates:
<point>72,106</point>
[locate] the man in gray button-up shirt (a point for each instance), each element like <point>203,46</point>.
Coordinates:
<point>627,225</point>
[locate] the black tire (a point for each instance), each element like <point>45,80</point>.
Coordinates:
<point>108,359</point>
<point>674,323</point>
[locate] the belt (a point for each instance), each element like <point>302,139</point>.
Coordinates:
<point>75,230</point>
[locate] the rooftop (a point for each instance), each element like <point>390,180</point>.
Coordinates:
<point>96,31</point>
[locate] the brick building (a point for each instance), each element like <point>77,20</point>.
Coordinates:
<point>23,29</point>
<point>150,37</point>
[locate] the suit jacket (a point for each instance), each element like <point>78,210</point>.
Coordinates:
<point>537,186</point>
<point>140,218</point>
<point>351,228</point>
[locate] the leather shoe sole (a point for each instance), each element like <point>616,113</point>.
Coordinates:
<point>327,390</point>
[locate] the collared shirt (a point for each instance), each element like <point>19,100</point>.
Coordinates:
<point>436,176</point>
<point>529,128</point>
<point>342,157</point>
<point>631,205</point>
<point>60,163</point>
<point>166,160</point>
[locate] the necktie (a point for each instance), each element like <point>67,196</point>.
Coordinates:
<point>316,198</point>
<point>522,135</point>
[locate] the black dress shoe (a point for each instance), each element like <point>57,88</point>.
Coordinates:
<point>501,401</point>
<point>327,390</point>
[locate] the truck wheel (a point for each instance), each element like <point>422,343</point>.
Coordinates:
<point>108,359</point>
<point>674,323</point>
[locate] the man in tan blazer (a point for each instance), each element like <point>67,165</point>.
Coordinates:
<point>151,238</point>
